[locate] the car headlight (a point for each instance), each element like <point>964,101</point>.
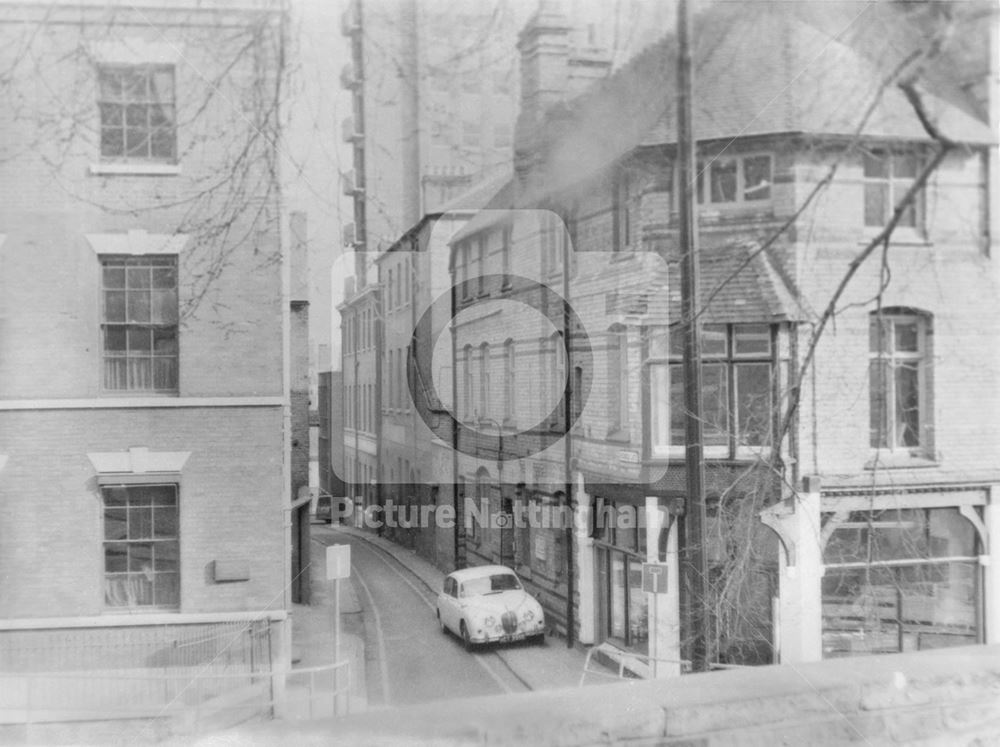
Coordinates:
<point>489,621</point>
<point>529,615</point>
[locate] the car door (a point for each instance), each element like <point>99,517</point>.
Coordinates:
<point>448,604</point>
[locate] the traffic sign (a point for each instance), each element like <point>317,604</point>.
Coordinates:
<point>338,562</point>
<point>654,577</point>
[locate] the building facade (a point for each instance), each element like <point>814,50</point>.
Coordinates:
<point>835,440</point>
<point>146,336</point>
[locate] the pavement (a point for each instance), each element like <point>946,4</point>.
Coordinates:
<point>549,667</point>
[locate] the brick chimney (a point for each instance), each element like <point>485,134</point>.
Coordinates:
<point>557,64</point>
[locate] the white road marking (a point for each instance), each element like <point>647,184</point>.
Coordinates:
<point>383,666</point>
<point>420,595</point>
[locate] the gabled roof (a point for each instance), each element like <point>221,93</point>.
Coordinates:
<point>766,68</point>
<point>736,284</point>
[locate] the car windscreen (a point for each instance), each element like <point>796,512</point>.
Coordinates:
<point>496,582</point>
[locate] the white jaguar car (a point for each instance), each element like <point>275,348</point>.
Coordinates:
<point>487,604</point>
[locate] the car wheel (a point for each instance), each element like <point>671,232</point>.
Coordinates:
<point>441,623</point>
<point>466,638</point>
<point>538,640</point>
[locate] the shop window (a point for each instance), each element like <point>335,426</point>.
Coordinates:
<point>900,580</point>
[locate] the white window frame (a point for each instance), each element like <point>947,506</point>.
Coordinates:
<point>921,359</point>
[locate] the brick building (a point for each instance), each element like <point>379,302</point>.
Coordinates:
<point>882,493</point>
<point>433,99</point>
<point>146,330</point>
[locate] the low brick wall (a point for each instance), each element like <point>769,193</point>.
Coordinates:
<point>946,697</point>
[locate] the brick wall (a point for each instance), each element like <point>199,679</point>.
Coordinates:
<point>230,505</point>
<point>230,287</point>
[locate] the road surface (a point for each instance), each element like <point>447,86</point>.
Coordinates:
<point>408,659</point>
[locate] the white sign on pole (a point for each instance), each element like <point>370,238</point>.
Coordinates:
<point>338,562</point>
<point>654,577</point>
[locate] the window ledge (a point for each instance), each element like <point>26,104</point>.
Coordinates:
<point>899,460</point>
<point>136,169</point>
<point>619,436</point>
<point>899,237</point>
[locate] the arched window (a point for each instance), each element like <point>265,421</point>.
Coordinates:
<point>484,380</point>
<point>467,382</point>
<point>509,379</point>
<point>617,378</point>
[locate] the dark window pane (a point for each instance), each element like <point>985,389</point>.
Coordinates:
<point>115,557</point>
<point>715,404</point>
<point>160,495</point>
<point>136,116</point>
<point>161,116</point>
<point>906,336</point>
<point>112,141</point>
<point>753,392</point>
<point>138,307</point>
<point>140,522</point>
<point>114,276</point>
<point>167,590</point>
<point>164,307</point>
<point>114,340</point>
<point>162,86</point>
<point>878,415</point>
<point>907,405</point>
<point>137,142</point>
<point>723,180</point>
<point>140,557</point>
<point>753,339</point>
<point>757,178</point>
<point>134,85</point>
<point>876,166</point>
<point>138,277</point>
<point>143,495</point>
<point>165,277</point>
<point>115,373</point>
<point>115,524</point>
<point>139,340</point>
<point>140,373</point>
<point>165,373</point>
<point>167,556</point>
<point>879,335</point>
<point>116,496</point>
<point>164,522</point>
<point>677,408</point>
<point>876,200</point>
<point>905,166</point>
<point>165,341</point>
<point>110,84</point>
<point>114,306</point>
<point>713,340</point>
<point>111,115</point>
<point>908,217</point>
<point>162,141</point>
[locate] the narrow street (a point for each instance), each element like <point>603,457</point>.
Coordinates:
<point>407,657</point>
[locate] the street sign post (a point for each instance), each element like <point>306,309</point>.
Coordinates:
<point>338,566</point>
<point>654,578</point>
<point>654,581</point>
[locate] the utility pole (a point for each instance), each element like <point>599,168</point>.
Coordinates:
<point>694,566</point>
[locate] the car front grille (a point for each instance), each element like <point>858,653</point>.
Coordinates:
<point>509,622</point>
